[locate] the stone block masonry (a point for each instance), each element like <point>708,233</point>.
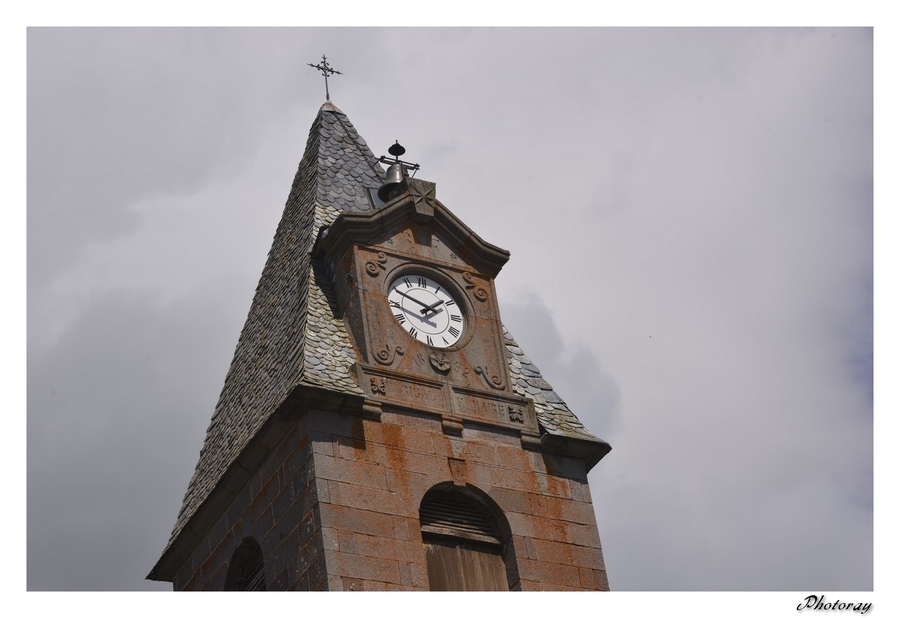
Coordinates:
<point>379,471</point>
<point>335,506</point>
<point>277,508</point>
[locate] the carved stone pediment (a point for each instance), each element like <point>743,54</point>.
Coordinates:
<point>443,323</point>
<point>416,204</point>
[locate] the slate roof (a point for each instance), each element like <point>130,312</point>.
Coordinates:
<point>552,413</point>
<point>291,337</point>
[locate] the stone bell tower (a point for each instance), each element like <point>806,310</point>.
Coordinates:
<point>379,428</point>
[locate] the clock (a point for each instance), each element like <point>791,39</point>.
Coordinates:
<point>426,310</point>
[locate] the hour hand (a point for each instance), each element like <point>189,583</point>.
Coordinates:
<point>432,307</point>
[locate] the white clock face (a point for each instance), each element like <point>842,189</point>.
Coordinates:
<point>426,310</point>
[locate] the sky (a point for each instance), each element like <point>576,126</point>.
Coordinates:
<point>690,218</point>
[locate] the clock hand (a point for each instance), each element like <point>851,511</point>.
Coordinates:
<point>431,307</point>
<point>415,300</point>
<point>422,318</point>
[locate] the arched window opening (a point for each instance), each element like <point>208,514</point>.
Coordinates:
<point>245,571</point>
<point>464,546</point>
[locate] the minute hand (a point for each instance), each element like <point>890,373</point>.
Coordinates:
<point>416,300</point>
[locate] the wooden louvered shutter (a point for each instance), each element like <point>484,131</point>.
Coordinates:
<point>246,572</point>
<point>462,547</point>
<point>253,577</point>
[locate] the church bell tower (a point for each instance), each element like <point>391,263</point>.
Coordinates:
<point>379,428</point>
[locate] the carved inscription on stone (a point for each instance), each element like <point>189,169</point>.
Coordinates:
<point>415,393</point>
<point>409,391</point>
<point>492,410</point>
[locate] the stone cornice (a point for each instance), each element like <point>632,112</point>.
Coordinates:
<point>414,201</point>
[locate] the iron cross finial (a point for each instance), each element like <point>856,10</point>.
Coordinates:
<point>326,71</point>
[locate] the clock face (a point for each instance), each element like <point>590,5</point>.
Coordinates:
<point>426,310</point>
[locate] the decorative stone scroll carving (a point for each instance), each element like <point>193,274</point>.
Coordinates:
<point>387,355</point>
<point>493,381</point>
<point>377,385</point>
<point>477,291</point>
<point>374,267</point>
<point>516,415</point>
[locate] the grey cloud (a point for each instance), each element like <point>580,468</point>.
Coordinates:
<point>707,193</point>
<point>120,115</point>
<point>573,370</point>
<point>118,407</point>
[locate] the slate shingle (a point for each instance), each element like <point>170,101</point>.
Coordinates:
<point>552,412</point>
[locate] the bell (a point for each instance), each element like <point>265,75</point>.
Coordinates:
<point>392,178</point>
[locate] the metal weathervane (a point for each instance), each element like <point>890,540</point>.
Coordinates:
<point>326,71</point>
